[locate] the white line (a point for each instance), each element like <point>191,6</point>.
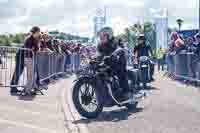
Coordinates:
<point>46,130</point>
<point>6,108</point>
<point>82,127</point>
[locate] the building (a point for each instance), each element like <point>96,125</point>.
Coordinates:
<point>99,21</point>
<point>161,23</point>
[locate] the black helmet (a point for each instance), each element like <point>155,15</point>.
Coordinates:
<point>107,30</point>
<point>197,35</point>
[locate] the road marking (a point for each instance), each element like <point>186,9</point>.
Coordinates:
<point>21,124</point>
<point>6,108</point>
<point>68,109</point>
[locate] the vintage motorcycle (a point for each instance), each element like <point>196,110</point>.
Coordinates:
<point>144,67</point>
<point>99,87</point>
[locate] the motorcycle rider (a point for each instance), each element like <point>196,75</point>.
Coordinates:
<point>143,50</point>
<point>108,46</point>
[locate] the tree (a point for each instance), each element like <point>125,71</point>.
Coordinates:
<point>150,34</point>
<point>18,38</point>
<point>180,23</point>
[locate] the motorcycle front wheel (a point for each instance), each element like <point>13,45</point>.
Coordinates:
<point>84,97</point>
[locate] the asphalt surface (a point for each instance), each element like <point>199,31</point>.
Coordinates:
<point>171,107</point>
<point>40,114</point>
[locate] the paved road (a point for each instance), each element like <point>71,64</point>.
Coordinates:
<point>43,114</point>
<point>170,108</point>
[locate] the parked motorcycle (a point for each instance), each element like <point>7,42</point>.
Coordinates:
<point>100,88</point>
<point>144,67</point>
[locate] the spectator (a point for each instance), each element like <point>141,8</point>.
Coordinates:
<point>160,57</point>
<point>31,43</point>
<point>177,42</point>
<point>57,47</point>
<point>44,43</point>
<point>198,44</point>
<point>190,45</point>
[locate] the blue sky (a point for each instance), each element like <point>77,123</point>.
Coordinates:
<point>75,16</point>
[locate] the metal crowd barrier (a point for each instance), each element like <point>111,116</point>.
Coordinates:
<point>49,64</point>
<point>187,66</point>
<point>13,72</point>
<point>12,75</point>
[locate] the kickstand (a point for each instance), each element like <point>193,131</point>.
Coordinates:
<point>39,90</point>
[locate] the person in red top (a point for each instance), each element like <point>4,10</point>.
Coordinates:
<point>177,42</point>
<point>32,46</point>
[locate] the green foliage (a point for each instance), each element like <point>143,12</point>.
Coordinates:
<point>18,38</point>
<point>150,34</point>
<point>130,34</point>
<point>5,40</point>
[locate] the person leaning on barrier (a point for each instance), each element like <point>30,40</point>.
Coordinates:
<point>190,47</point>
<point>44,43</point>
<point>31,43</point>
<point>57,46</point>
<point>197,37</point>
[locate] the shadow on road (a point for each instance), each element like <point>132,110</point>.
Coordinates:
<point>152,88</point>
<point>111,116</point>
<point>26,98</point>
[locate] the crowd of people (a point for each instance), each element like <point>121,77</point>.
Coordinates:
<point>185,45</point>
<point>40,42</point>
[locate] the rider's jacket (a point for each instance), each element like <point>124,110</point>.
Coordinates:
<point>117,55</point>
<point>142,50</point>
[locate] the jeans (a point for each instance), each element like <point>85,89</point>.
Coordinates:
<point>170,64</point>
<point>160,64</point>
<point>19,67</point>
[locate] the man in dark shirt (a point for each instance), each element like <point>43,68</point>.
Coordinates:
<point>198,44</point>
<point>108,46</point>
<point>143,50</point>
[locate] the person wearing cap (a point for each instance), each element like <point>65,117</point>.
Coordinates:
<point>31,43</point>
<point>143,50</point>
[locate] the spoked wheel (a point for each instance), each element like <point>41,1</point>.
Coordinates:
<point>85,99</point>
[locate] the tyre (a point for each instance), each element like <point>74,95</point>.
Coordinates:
<point>83,98</point>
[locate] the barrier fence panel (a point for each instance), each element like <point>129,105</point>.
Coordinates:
<point>12,68</point>
<point>187,66</point>
<point>49,65</point>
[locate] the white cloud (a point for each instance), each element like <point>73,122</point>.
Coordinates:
<point>76,16</point>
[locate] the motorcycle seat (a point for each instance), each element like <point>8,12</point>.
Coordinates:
<point>133,70</point>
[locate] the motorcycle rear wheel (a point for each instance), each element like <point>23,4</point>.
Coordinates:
<point>77,103</point>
